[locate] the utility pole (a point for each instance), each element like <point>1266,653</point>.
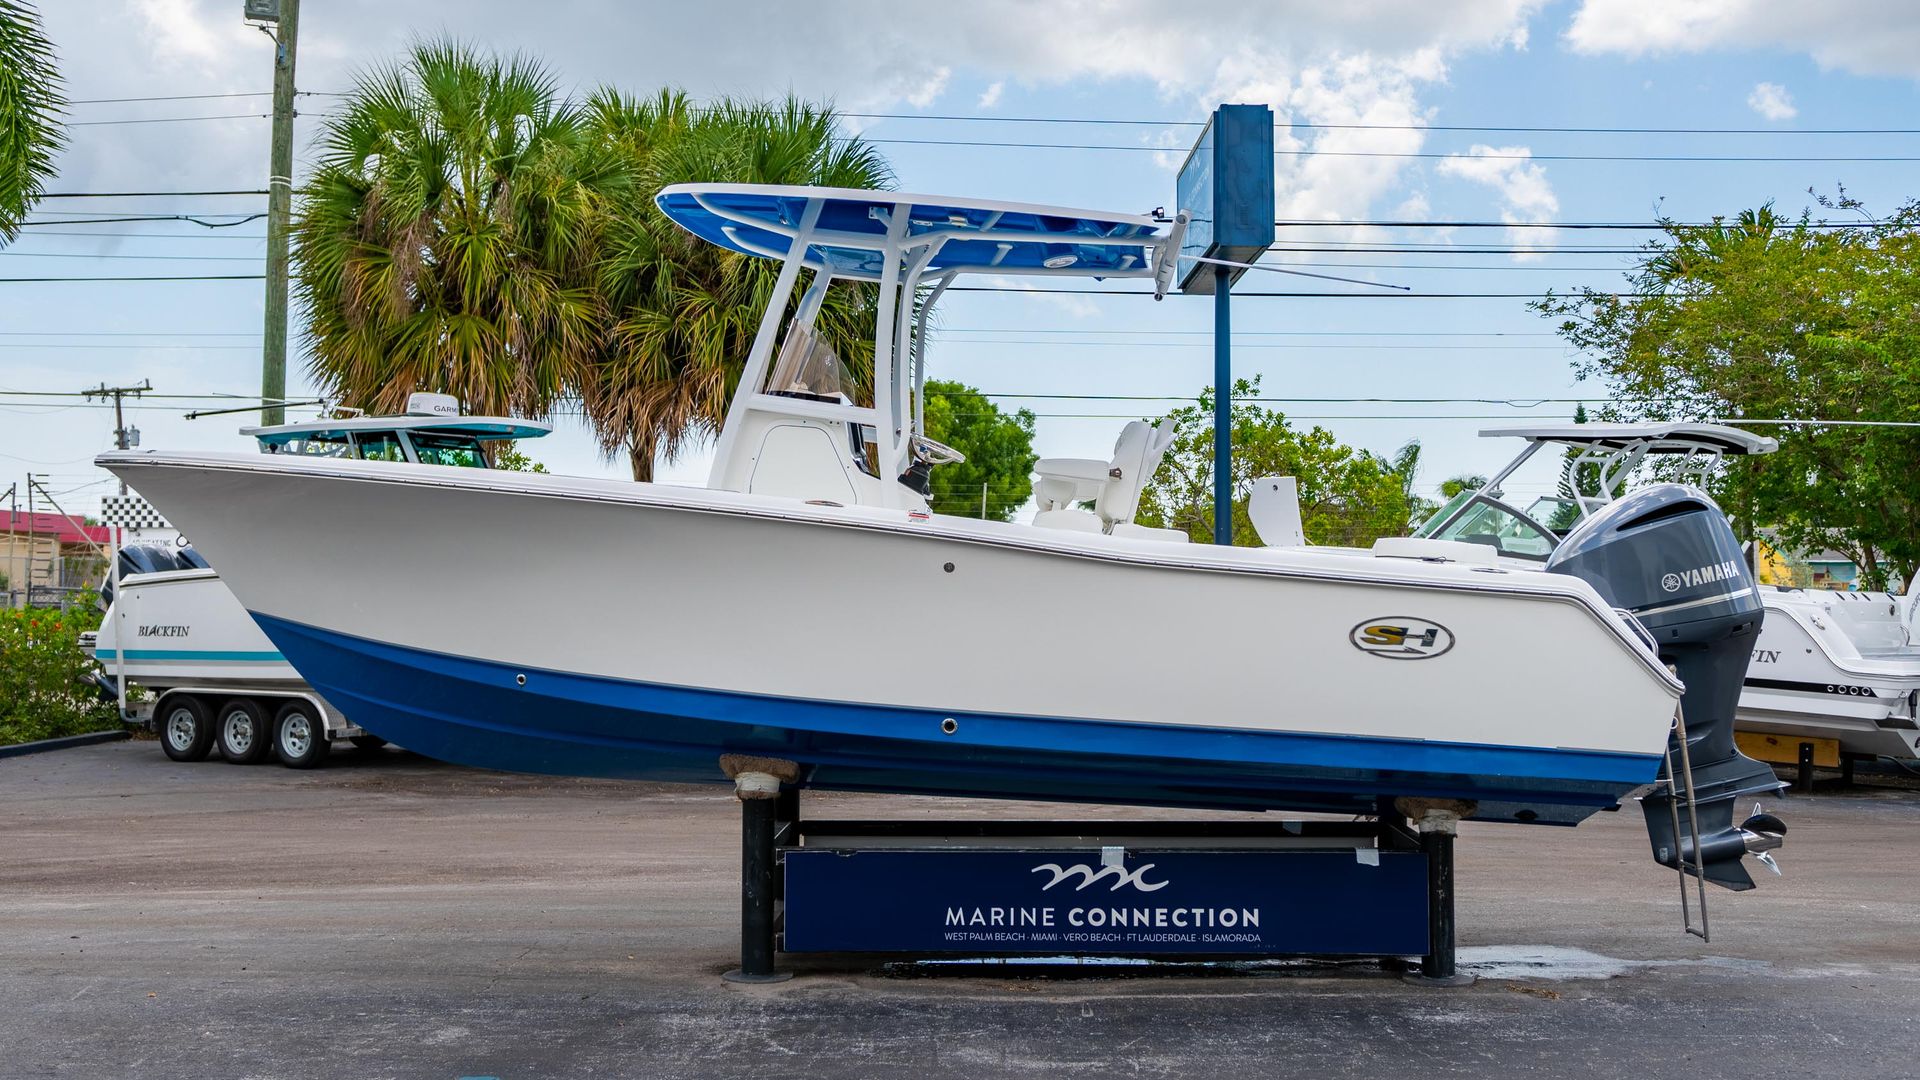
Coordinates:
<point>285,15</point>
<point>121,433</point>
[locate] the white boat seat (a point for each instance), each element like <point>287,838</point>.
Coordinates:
<point>1274,508</point>
<point>1420,547</point>
<point>1113,486</point>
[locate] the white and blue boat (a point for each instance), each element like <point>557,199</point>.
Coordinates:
<point>805,605</point>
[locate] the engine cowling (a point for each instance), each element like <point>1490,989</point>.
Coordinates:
<point>1666,554</point>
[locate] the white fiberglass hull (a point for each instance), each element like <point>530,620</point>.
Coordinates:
<point>185,628</point>
<point>1826,667</point>
<point>573,626</point>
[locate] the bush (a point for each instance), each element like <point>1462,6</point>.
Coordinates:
<point>43,694</point>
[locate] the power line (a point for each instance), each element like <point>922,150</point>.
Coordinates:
<point>1241,345</point>
<point>182,277</point>
<point>1042,290</point>
<point>1412,155</point>
<point>143,236</point>
<point>1640,226</point>
<point>129,333</point>
<point>1517,403</point>
<point>196,258</point>
<point>1309,126</point>
<point>143,194</point>
<point>1257,333</point>
<point>164,120</point>
<point>191,218</point>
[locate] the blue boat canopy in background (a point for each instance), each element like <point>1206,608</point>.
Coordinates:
<point>981,235</point>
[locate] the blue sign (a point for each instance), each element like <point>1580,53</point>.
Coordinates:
<point>1051,901</point>
<point>1226,187</point>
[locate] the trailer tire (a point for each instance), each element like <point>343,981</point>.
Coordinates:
<point>299,736</point>
<point>186,731</point>
<point>367,742</point>
<point>243,732</point>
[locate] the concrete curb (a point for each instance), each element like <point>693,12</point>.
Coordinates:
<point>67,743</point>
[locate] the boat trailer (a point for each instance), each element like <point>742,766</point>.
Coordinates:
<point>1195,890</point>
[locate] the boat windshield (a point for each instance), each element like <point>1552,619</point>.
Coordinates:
<point>808,368</point>
<point>1555,512</point>
<point>436,448</point>
<point>1479,519</point>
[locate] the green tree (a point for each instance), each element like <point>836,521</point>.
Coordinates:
<point>508,456</point>
<point>997,477</point>
<point>450,237</point>
<point>1347,496</point>
<point>1405,464</point>
<point>1459,482</point>
<point>684,312</point>
<point>31,104</point>
<point>1767,318</point>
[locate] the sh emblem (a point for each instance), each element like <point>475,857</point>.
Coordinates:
<point>1401,637</point>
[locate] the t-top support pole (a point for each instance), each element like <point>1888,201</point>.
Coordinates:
<point>1222,406</point>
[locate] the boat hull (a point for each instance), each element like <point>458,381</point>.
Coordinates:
<point>589,628</point>
<point>480,712</point>
<point>1812,678</point>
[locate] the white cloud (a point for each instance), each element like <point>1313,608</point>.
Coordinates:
<point>1866,37</point>
<point>862,54</point>
<point>1524,191</point>
<point>991,96</point>
<point>1772,101</point>
<point>929,91</point>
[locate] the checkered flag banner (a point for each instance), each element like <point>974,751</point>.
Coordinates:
<point>131,512</point>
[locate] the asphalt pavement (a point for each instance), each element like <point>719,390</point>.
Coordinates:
<point>388,916</point>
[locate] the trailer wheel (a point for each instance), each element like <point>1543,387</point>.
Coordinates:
<point>367,742</point>
<point>242,732</point>
<point>299,737</point>
<point>186,734</point>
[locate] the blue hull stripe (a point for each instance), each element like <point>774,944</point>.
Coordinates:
<point>191,654</point>
<point>475,712</point>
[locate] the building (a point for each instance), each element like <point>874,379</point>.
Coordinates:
<point>48,551</point>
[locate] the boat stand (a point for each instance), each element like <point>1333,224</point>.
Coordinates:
<point>1073,890</point>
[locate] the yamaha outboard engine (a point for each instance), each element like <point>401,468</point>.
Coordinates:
<point>1666,554</point>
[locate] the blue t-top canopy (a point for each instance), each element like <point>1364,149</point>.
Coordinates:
<point>851,232</point>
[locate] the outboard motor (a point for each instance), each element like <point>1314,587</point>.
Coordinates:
<point>1666,554</point>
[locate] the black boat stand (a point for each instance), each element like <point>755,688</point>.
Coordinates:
<point>1168,890</point>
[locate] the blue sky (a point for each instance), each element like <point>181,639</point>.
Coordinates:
<point>1764,64</point>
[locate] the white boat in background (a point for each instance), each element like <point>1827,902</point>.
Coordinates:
<point>1828,664</point>
<point>174,628</point>
<point>806,606</point>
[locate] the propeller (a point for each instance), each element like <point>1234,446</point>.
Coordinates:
<point>1762,833</point>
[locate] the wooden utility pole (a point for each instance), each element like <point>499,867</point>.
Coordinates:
<point>103,392</point>
<point>273,358</point>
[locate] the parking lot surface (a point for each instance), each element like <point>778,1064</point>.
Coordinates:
<point>388,916</point>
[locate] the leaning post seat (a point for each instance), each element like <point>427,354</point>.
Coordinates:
<point>1113,486</point>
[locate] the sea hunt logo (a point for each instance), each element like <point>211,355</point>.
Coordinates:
<point>1704,575</point>
<point>165,631</point>
<point>1401,637</point>
<point>1088,875</point>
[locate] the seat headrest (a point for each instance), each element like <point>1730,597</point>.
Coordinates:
<point>1137,453</point>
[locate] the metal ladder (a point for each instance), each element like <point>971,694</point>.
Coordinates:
<point>1680,863</point>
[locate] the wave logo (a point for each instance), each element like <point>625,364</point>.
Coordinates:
<point>1088,875</point>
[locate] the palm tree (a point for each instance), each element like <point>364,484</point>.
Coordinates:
<point>450,237</point>
<point>30,108</point>
<point>1454,485</point>
<point>683,312</point>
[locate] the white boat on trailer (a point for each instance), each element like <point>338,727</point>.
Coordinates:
<point>173,628</point>
<point>803,607</point>
<point>1828,664</point>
